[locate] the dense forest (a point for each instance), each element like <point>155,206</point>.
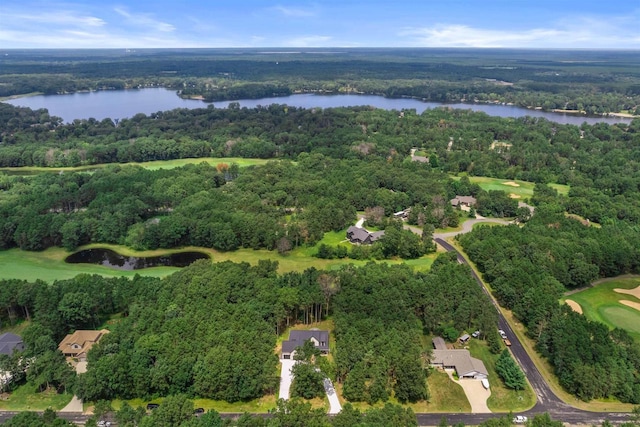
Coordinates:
<point>210,330</point>
<point>594,82</point>
<point>280,205</point>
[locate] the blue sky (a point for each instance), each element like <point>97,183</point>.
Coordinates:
<point>330,23</point>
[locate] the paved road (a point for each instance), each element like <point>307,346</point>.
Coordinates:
<point>547,401</point>
<point>467,226</point>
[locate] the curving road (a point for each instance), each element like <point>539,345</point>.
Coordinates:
<point>547,401</point>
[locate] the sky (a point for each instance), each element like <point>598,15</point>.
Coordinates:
<point>585,24</point>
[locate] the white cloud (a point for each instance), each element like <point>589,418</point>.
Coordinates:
<point>50,18</point>
<point>295,11</point>
<point>144,20</point>
<point>576,32</point>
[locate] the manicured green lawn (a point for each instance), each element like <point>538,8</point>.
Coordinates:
<point>502,399</point>
<point>602,304</point>
<point>25,398</point>
<point>445,395</point>
<point>158,164</point>
<point>524,189</point>
<point>49,265</point>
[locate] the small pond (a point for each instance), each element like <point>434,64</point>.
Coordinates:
<point>112,259</point>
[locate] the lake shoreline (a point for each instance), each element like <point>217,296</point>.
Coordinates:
<point>101,104</point>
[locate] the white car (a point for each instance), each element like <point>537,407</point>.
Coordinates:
<point>502,333</point>
<point>519,419</point>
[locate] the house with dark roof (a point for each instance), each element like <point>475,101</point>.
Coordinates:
<point>320,340</point>
<point>9,343</point>
<point>363,236</point>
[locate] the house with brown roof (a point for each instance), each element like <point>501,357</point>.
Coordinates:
<point>78,344</point>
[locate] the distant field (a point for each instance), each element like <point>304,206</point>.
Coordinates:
<point>158,164</point>
<point>601,303</point>
<point>524,189</point>
<point>49,265</point>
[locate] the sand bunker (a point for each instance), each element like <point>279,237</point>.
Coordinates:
<point>574,306</point>
<point>634,292</point>
<point>514,196</point>
<point>511,184</point>
<point>631,304</point>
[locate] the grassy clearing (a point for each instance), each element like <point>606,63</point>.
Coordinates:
<point>524,189</point>
<point>158,164</point>
<point>49,265</point>
<point>25,398</point>
<point>601,303</point>
<point>582,220</point>
<point>502,399</point>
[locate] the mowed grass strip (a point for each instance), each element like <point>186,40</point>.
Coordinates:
<point>523,189</point>
<point>49,265</point>
<point>601,303</point>
<point>154,165</point>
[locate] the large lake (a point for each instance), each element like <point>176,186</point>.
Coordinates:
<point>118,104</point>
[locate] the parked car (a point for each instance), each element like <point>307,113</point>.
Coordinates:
<point>519,419</point>
<point>476,334</point>
<point>507,342</point>
<point>152,406</point>
<point>198,411</point>
<point>502,333</point>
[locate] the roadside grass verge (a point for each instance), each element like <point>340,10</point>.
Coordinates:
<point>502,399</point>
<point>26,398</point>
<point>153,165</point>
<point>261,405</point>
<point>543,365</point>
<point>524,189</point>
<point>601,303</point>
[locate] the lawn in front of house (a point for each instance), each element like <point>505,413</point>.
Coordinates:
<point>502,399</point>
<point>26,398</point>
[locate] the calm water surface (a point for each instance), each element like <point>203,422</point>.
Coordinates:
<point>112,259</point>
<point>118,104</point>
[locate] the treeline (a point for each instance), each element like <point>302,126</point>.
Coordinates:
<point>280,205</point>
<point>529,268</point>
<point>609,84</point>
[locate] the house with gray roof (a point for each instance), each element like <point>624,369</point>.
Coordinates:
<point>466,201</point>
<point>363,236</point>
<point>297,338</point>
<point>461,361</point>
<point>9,343</point>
